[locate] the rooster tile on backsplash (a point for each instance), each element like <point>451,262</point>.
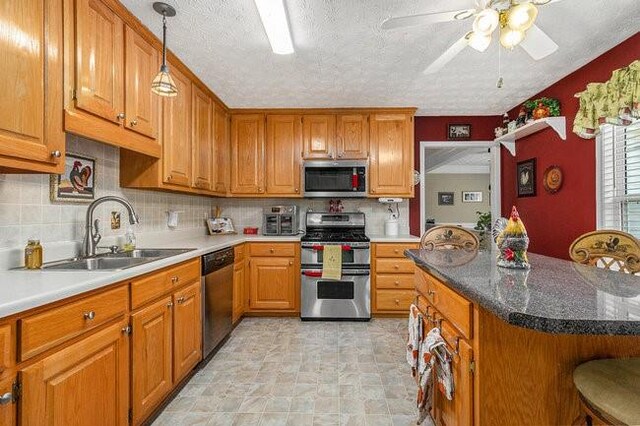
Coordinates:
<point>26,210</point>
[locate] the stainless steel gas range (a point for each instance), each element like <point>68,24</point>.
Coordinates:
<point>350,297</point>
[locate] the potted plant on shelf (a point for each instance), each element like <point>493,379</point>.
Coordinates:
<point>543,107</point>
<point>483,227</point>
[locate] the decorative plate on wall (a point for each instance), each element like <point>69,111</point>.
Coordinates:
<point>552,179</point>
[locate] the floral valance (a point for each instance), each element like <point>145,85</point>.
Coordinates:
<point>615,102</point>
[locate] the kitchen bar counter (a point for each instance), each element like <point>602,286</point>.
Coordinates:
<point>402,238</point>
<point>21,290</point>
<point>554,296</point>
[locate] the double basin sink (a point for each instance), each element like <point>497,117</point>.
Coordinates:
<point>113,261</point>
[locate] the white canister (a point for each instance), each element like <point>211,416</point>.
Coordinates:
<point>391,227</point>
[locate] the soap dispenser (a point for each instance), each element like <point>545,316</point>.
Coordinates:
<point>129,240</point>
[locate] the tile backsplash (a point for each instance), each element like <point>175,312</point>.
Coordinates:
<point>26,210</point>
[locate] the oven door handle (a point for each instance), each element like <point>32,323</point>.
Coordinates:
<point>312,273</point>
<point>320,248</point>
<point>345,273</point>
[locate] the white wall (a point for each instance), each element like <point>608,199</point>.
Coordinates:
<point>460,212</point>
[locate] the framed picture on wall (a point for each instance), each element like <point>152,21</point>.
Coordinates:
<point>471,196</point>
<point>77,183</point>
<point>526,175</point>
<point>458,132</point>
<point>445,198</point>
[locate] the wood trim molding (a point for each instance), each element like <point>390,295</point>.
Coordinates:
<point>338,110</point>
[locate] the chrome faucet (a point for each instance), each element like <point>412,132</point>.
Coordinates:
<point>92,231</point>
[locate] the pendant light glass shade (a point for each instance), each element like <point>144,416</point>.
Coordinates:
<point>522,16</point>
<point>511,38</point>
<point>479,42</point>
<point>486,22</point>
<point>163,84</point>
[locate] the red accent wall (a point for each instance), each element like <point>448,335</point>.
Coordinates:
<point>435,129</point>
<point>554,221</point>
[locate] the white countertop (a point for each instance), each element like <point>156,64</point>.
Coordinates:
<point>21,290</point>
<point>402,238</point>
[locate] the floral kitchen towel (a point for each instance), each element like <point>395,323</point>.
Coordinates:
<point>415,337</point>
<point>332,262</point>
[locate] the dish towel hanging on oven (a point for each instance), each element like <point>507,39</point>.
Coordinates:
<point>433,358</point>
<point>332,262</point>
<point>415,337</point>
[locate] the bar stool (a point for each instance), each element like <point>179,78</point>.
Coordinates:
<point>609,389</point>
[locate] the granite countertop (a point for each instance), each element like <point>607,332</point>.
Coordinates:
<point>21,290</point>
<point>554,296</point>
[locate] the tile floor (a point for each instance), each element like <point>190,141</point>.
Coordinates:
<point>281,371</point>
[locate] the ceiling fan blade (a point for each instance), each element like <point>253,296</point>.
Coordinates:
<point>448,55</point>
<point>426,18</point>
<point>538,44</point>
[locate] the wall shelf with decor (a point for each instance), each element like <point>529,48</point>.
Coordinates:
<point>508,140</point>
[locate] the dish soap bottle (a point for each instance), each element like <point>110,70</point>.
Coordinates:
<point>129,240</point>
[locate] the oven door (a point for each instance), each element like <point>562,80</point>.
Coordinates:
<point>352,254</point>
<point>335,179</point>
<point>347,298</point>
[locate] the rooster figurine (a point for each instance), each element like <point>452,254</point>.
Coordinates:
<point>512,241</point>
<point>79,178</point>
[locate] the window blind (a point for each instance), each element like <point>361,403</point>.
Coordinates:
<point>620,178</point>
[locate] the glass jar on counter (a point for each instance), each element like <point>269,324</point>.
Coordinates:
<point>33,255</point>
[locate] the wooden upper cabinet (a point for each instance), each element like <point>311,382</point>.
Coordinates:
<point>84,383</point>
<point>187,330</point>
<point>319,136</point>
<point>284,140</point>
<point>202,139</point>
<point>247,154</point>
<point>272,283</point>
<point>352,136</point>
<point>140,67</point>
<point>222,147</point>
<point>99,60</point>
<point>31,128</point>
<point>176,133</point>
<point>391,155</point>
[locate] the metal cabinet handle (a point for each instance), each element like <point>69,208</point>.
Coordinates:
<point>126,330</point>
<point>7,398</point>
<point>175,279</point>
<point>120,116</point>
<point>340,155</point>
<point>181,300</point>
<point>396,266</point>
<point>397,302</point>
<point>89,315</point>
<point>56,154</point>
<point>297,190</point>
<point>396,251</point>
<point>272,250</point>
<point>169,177</point>
<point>170,304</point>
<point>134,123</point>
<point>431,292</point>
<point>396,282</point>
<point>291,262</point>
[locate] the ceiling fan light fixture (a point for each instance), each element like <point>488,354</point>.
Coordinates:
<point>486,22</point>
<point>274,20</point>
<point>465,14</point>
<point>522,16</point>
<point>510,38</point>
<point>479,42</point>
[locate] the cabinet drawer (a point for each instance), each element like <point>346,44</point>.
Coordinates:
<point>404,281</point>
<point>238,253</point>
<point>455,308</point>
<point>42,331</point>
<point>7,346</point>
<point>394,300</point>
<point>393,250</point>
<point>184,273</point>
<point>394,266</point>
<point>149,287</point>
<point>272,249</point>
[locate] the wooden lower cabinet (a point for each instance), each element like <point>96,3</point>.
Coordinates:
<point>273,283</point>
<point>187,330</point>
<point>8,410</point>
<point>152,340</point>
<point>392,283</point>
<point>238,290</point>
<point>458,411</point>
<point>86,383</point>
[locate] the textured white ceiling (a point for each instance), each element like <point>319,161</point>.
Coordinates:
<point>342,57</point>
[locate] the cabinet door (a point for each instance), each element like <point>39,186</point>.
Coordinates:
<point>273,283</point>
<point>391,160</point>
<point>221,149</point>
<point>176,133</point>
<point>352,136</point>
<point>238,290</point>
<point>8,411</point>
<point>152,335</point>
<point>284,141</point>
<point>247,154</point>
<point>86,383</point>
<point>99,60</point>
<point>30,118</point>
<point>140,67</point>
<point>202,139</point>
<point>319,136</point>
<point>187,330</point>
<point>459,411</point>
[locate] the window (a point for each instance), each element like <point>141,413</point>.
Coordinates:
<point>619,178</point>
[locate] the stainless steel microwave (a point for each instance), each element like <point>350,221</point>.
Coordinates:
<point>335,179</point>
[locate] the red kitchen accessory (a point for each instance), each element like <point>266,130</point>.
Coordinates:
<point>250,230</point>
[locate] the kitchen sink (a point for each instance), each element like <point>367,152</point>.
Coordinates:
<point>113,261</point>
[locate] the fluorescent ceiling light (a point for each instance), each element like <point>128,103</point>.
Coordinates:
<point>274,21</point>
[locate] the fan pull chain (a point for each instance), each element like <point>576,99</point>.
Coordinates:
<point>500,82</point>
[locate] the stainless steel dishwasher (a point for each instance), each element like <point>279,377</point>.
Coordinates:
<point>217,291</point>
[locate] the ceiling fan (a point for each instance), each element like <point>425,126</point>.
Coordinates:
<point>514,19</point>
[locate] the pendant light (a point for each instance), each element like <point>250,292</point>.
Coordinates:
<point>163,84</point>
